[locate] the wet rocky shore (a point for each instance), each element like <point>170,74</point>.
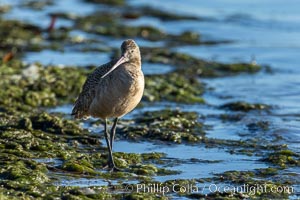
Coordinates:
<point>40,149</point>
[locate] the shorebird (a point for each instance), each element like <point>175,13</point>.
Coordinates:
<point>111,91</point>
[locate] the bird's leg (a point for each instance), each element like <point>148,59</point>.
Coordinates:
<point>113,132</point>
<point>112,136</point>
<point>111,163</point>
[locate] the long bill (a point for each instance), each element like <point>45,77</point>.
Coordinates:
<point>121,60</point>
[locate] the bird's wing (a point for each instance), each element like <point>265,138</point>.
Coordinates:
<point>85,98</point>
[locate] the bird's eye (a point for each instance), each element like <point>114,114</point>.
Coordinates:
<point>131,51</point>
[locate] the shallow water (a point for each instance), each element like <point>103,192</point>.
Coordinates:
<point>267,34</point>
<point>264,34</point>
<point>70,58</point>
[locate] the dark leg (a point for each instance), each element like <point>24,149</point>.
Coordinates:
<point>113,132</point>
<point>111,163</point>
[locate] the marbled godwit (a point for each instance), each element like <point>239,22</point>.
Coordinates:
<point>112,90</point>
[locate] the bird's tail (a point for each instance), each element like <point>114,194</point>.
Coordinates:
<point>76,111</point>
<point>81,107</point>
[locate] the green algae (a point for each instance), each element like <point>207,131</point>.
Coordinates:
<point>232,117</point>
<point>103,19</point>
<point>266,172</point>
<point>259,126</point>
<point>81,166</point>
<point>110,24</point>
<point>41,135</point>
<point>153,156</point>
<point>145,32</point>
<point>240,67</point>
<point>108,2</point>
<point>37,5</point>
<point>236,176</point>
<point>173,87</point>
<point>142,164</point>
<point>144,169</point>
<point>18,35</point>
<point>48,86</point>
<point>58,36</point>
<point>20,169</point>
<point>34,140</point>
<point>166,125</point>
<point>251,147</point>
<point>187,37</point>
<point>283,158</point>
<point>192,66</point>
<point>253,187</point>
<point>54,124</point>
<point>124,160</point>
<point>23,176</point>
<point>244,106</point>
<point>142,11</point>
<point>162,15</point>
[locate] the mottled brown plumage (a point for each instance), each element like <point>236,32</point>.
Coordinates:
<point>88,93</point>
<point>112,90</point>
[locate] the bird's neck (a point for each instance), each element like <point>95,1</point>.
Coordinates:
<point>136,62</point>
<point>133,66</point>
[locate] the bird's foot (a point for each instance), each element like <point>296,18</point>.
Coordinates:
<point>111,168</point>
<point>114,169</point>
<point>106,167</point>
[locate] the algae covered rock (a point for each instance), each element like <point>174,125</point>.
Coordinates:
<point>19,35</point>
<point>259,126</point>
<point>48,86</point>
<point>244,106</point>
<point>53,124</point>
<point>166,125</point>
<point>283,158</point>
<point>23,176</point>
<point>109,2</point>
<point>163,15</point>
<point>252,186</point>
<point>186,64</point>
<point>173,87</point>
<point>82,166</point>
<point>112,24</point>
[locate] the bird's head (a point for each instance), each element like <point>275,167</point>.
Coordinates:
<point>130,53</point>
<point>130,50</point>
